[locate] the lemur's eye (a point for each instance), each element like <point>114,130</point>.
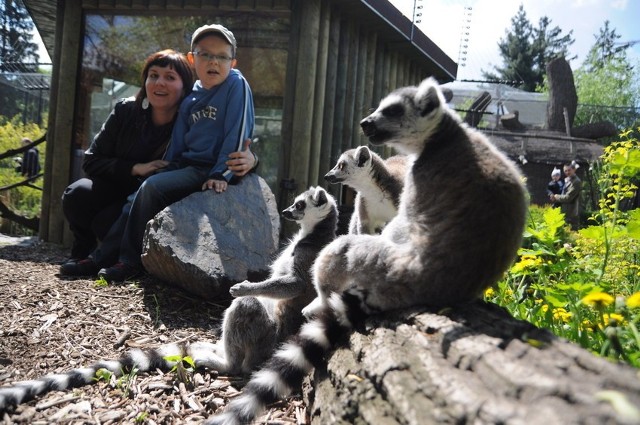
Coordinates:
<point>393,111</point>
<point>300,205</point>
<point>340,166</point>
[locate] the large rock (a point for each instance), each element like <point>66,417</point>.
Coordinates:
<point>209,241</point>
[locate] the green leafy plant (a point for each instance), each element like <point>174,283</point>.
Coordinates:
<point>141,418</point>
<point>585,285</point>
<point>184,367</point>
<point>126,380</point>
<point>101,282</point>
<point>103,375</point>
<point>23,200</point>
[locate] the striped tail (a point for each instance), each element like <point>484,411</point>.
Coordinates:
<point>142,361</point>
<point>284,372</point>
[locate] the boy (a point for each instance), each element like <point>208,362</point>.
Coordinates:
<point>213,121</point>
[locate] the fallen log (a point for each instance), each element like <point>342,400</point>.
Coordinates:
<point>473,364</point>
<point>596,130</point>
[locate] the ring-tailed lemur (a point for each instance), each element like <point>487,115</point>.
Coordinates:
<point>458,228</point>
<point>378,183</point>
<point>264,314</point>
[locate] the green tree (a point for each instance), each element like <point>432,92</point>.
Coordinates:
<point>608,86</point>
<point>605,49</point>
<point>18,53</point>
<point>527,50</point>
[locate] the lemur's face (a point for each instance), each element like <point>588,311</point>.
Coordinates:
<point>352,165</point>
<point>310,206</point>
<point>406,118</point>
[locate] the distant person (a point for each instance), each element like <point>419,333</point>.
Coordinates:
<point>570,196</point>
<point>29,165</point>
<point>555,186</point>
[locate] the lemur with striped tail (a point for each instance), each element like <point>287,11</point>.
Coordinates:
<point>378,183</point>
<point>262,315</point>
<point>458,228</point>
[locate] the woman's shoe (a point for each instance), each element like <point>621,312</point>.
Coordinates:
<point>120,272</point>
<point>86,267</point>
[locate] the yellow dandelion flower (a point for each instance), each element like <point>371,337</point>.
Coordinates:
<point>561,314</point>
<point>526,262</point>
<point>544,308</point>
<point>613,319</point>
<point>489,293</point>
<point>587,325</point>
<point>598,299</point>
<point>634,300</point>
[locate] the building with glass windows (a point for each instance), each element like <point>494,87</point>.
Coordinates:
<point>316,67</point>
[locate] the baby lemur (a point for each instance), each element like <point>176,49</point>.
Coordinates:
<point>458,228</point>
<point>263,314</point>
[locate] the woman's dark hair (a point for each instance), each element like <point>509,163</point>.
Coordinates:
<point>172,59</point>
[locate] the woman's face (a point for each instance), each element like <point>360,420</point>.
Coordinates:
<point>164,87</point>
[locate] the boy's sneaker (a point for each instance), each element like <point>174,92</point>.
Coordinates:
<point>120,272</point>
<point>86,267</point>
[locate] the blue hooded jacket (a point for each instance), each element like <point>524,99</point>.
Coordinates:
<point>213,123</point>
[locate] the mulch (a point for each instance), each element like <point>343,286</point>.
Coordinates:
<point>50,324</point>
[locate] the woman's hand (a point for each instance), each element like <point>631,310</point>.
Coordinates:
<point>241,162</point>
<point>146,169</point>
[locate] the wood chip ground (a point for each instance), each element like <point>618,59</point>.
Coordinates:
<point>50,324</point>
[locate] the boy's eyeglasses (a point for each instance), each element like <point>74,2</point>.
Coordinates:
<point>211,57</point>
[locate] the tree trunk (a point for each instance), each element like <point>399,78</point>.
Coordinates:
<point>480,103</point>
<point>473,364</point>
<point>562,94</point>
<point>511,121</point>
<point>596,130</point>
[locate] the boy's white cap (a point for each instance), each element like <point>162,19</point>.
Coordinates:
<point>555,172</point>
<point>214,28</point>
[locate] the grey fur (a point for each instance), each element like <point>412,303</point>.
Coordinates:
<point>458,228</point>
<point>267,312</point>
<point>460,220</point>
<point>378,183</point>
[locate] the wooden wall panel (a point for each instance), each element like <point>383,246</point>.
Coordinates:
<point>327,156</point>
<point>61,123</point>
<point>315,176</point>
<point>350,94</point>
<point>306,68</point>
<point>360,87</point>
<point>341,89</point>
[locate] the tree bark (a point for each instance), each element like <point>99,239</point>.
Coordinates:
<point>562,94</point>
<point>511,121</point>
<point>595,130</point>
<point>480,103</point>
<point>30,223</point>
<point>473,364</point>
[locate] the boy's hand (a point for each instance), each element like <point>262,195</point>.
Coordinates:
<point>218,185</point>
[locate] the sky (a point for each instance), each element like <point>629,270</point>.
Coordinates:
<point>488,21</point>
<point>443,21</point>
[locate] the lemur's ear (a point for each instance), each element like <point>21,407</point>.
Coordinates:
<point>428,97</point>
<point>320,197</point>
<point>363,155</point>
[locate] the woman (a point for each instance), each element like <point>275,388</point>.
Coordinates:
<point>129,147</point>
